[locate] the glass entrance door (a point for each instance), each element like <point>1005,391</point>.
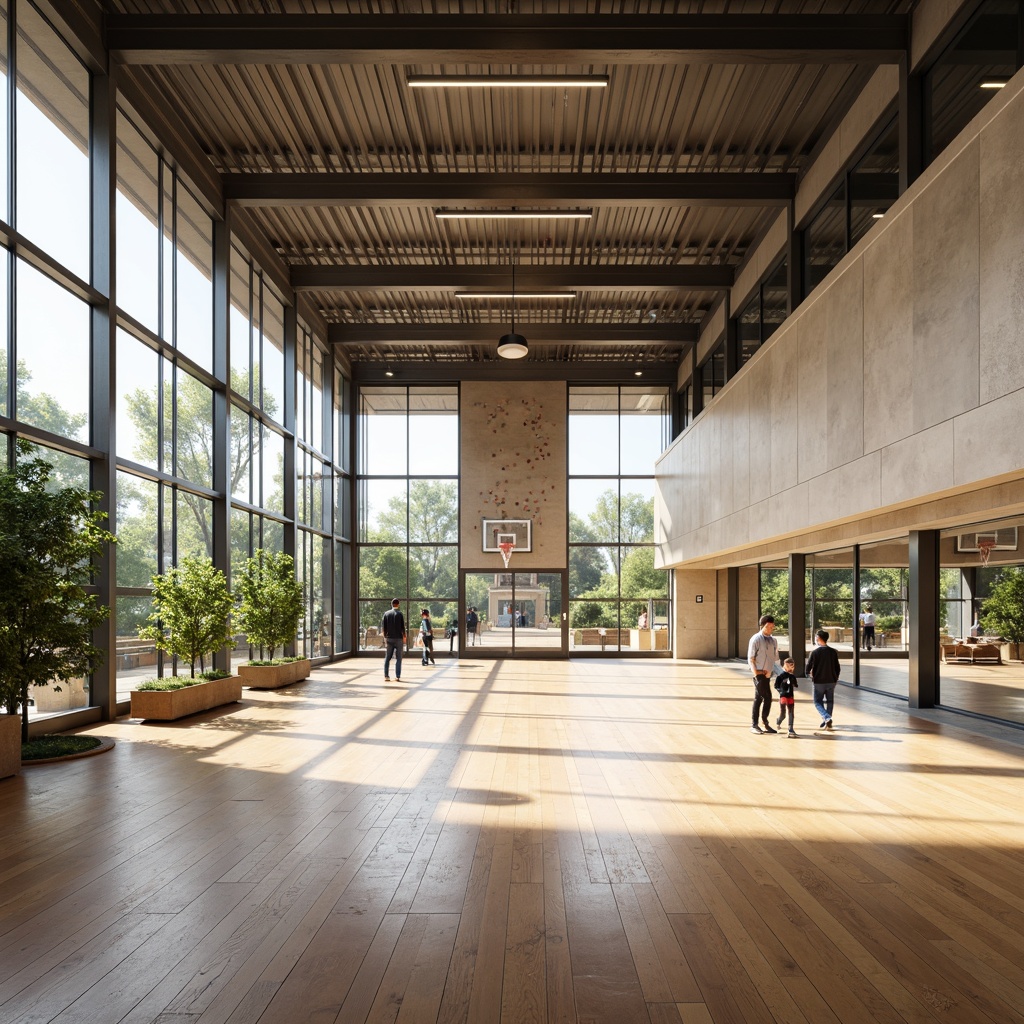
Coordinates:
<point>508,614</point>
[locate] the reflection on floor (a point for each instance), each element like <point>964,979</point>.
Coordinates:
<point>512,841</point>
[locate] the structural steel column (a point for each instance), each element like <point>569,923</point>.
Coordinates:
<point>103,471</point>
<point>858,639</point>
<point>797,611</point>
<point>924,618</point>
<point>221,411</point>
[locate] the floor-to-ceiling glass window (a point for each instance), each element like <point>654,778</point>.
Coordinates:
<point>408,507</point>
<point>45,398</point>
<point>164,404</point>
<point>981,618</point>
<point>883,629</point>
<point>255,435</point>
<point>314,510</point>
<point>618,600</point>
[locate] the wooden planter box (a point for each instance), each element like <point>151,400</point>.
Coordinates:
<point>166,705</point>
<point>270,677</point>
<point>10,745</point>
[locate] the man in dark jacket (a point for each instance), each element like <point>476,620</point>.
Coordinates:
<point>823,668</point>
<point>392,626</point>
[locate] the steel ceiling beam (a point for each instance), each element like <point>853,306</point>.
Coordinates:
<point>507,39</point>
<point>476,190</point>
<point>476,334</point>
<point>528,278</point>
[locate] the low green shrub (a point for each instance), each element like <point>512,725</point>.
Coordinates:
<point>180,682</point>
<point>270,662</point>
<point>42,747</point>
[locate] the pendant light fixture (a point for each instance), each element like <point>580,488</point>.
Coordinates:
<point>512,345</point>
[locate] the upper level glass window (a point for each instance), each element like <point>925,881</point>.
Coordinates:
<point>52,146</point>
<point>825,240</point>
<point>874,183</point>
<point>983,57</point>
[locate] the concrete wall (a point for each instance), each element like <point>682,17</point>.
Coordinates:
<point>513,447</point>
<point>899,382</point>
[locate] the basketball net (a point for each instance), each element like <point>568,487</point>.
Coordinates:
<point>506,547</point>
<point>985,546</point>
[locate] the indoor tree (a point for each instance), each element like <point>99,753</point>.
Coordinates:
<point>270,601</point>
<point>50,541</point>
<point>191,609</point>
<point>1003,610</point>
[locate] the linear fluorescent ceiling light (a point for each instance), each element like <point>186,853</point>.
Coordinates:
<point>515,295</point>
<point>992,85</point>
<point>513,214</point>
<point>507,81</point>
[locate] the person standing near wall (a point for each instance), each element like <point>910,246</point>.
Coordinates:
<point>762,656</point>
<point>869,628</point>
<point>472,621</point>
<point>823,668</point>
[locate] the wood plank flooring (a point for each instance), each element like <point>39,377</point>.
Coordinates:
<point>507,842</point>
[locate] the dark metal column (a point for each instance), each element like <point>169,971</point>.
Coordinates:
<point>794,263</point>
<point>221,411</point>
<point>797,611</point>
<point>924,618</point>
<point>732,620</point>
<point>857,628</point>
<point>289,469</point>
<point>103,472</point>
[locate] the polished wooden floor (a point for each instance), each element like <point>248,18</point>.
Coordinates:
<point>596,841</point>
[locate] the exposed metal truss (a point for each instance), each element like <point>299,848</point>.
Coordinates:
<point>452,334</point>
<point>481,189</point>
<point>508,39</point>
<point>528,278</point>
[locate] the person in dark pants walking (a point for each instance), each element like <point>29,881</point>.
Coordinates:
<point>762,656</point>
<point>392,627</point>
<point>427,636</point>
<point>823,668</point>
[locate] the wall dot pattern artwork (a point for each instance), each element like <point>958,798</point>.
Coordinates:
<point>522,443</point>
<point>513,445</point>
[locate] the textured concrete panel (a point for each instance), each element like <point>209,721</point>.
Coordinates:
<point>946,293</point>
<point>845,371</point>
<point>759,421</point>
<point>919,464</point>
<point>810,388</point>
<point>514,438</point>
<point>1002,254</point>
<point>989,441</point>
<point>696,634</point>
<point>888,330</point>
<point>785,447</point>
<point>740,455</point>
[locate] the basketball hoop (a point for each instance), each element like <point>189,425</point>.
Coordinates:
<point>985,546</point>
<point>506,547</point>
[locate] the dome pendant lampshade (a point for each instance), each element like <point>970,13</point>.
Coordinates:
<point>512,345</point>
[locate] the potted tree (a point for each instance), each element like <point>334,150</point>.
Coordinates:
<point>1003,612</point>
<point>50,539</point>
<point>190,619</point>
<point>269,609</point>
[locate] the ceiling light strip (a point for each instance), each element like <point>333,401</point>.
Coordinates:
<point>516,295</point>
<point>513,214</point>
<point>507,81</point>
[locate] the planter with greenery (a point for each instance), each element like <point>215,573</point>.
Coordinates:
<point>1003,611</point>
<point>50,543</point>
<point>191,612</point>
<point>177,696</point>
<point>270,607</point>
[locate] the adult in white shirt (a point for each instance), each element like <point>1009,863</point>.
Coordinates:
<point>868,621</point>
<point>762,656</point>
